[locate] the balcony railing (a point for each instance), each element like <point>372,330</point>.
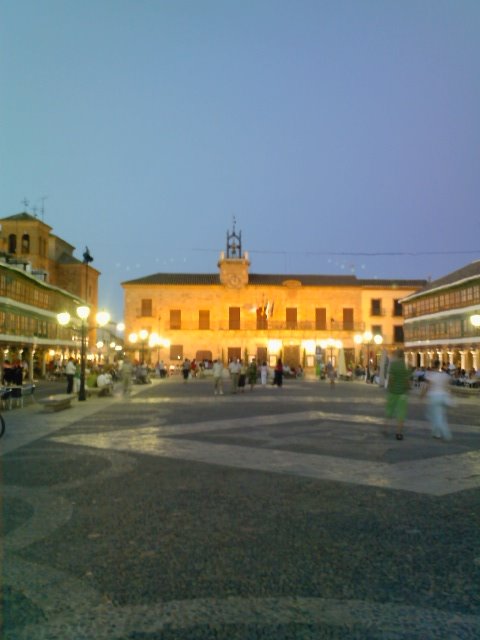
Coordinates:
<point>447,334</point>
<point>274,325</point>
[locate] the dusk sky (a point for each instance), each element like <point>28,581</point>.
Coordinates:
<point>331,130</point>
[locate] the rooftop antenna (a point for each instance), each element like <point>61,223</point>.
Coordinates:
<point>25,203</point>
<point>34,209</point>
<point>42,210</point>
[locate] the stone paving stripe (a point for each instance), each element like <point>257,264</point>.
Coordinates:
<point>441,476</point>
<point>392,620</point>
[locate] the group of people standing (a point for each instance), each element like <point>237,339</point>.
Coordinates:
<point>241,374</point>
<point>14,373</point>
<point>95,377</point>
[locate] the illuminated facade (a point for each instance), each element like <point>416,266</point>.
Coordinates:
<point>238,314</point>
<point>439,320</point>
<point>29,244</point>
<point>40,277</point>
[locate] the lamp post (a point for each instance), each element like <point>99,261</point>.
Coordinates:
<point>133,339</point>
<point>143,334</point>
<point>157,341</point>
<point>83,313</point>
<point>368,339</point>
<point>331,344</point>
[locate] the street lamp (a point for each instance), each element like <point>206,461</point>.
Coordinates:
<point>157,341</point>
<point>368,338</point>
<point>133,338</point>
<point>83,312</point>
<point>143,334</point>
<point>331,344</point>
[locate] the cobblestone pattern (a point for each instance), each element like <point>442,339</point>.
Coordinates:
<point>168,516</point>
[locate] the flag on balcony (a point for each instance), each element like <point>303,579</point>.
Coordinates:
<point>269,309</point>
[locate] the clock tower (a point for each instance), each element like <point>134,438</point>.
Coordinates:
<point>234,264</point>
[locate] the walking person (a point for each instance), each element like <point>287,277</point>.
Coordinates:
<point>76,378</point>
<point>278,373</point>
<point>242,376</point>
<point>397,391</point>
<point>263,374</point>
<point>70,373</point>
<point>186,369</point>
<point>193,368</point>
<point>252,374</point>
<point>330,370</point>
<point>217,370</point>
<point>234,368</point>
<point>436,388</point>
<point>126,374</point>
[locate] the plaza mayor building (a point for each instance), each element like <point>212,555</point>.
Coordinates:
<point>442,320</point>
<point>234,313</point>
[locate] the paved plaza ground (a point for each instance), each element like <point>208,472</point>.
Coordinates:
<point>272,514</point>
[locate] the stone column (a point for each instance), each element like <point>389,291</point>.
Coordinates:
<point>475,359</point>
<point>30,364</point>
<point>43,363</point>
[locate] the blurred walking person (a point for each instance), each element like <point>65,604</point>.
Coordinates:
<point>331,373</point>
<point>437,390</point>
<point>234,368</point>
<point>126,373</point>
<point>252,374</point>
<point>242,376</point>
<point>263,374</point>
<point>70,373</point>
<point>186,369</point>
<point>278,373</point>
<point>217,370</point>
<point>397,391</point>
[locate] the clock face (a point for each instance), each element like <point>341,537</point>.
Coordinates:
<point>234,280</point>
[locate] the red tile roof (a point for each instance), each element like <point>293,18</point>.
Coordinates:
<point>272,279</point>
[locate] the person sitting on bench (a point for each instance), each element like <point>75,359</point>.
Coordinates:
<point>104,382</point>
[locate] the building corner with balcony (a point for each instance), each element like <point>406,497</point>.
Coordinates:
<point>40,278</point>
<point>234,313</point>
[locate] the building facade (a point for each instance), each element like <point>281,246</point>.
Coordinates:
<point>29,244</point>
<point>39,278</point>
<point>438,320</point>
<point>237,314</point>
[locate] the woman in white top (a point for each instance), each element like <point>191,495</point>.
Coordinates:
<point>438,396</point>
<point>263,373</point>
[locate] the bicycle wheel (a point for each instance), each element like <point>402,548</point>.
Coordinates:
<point>2,426</point>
